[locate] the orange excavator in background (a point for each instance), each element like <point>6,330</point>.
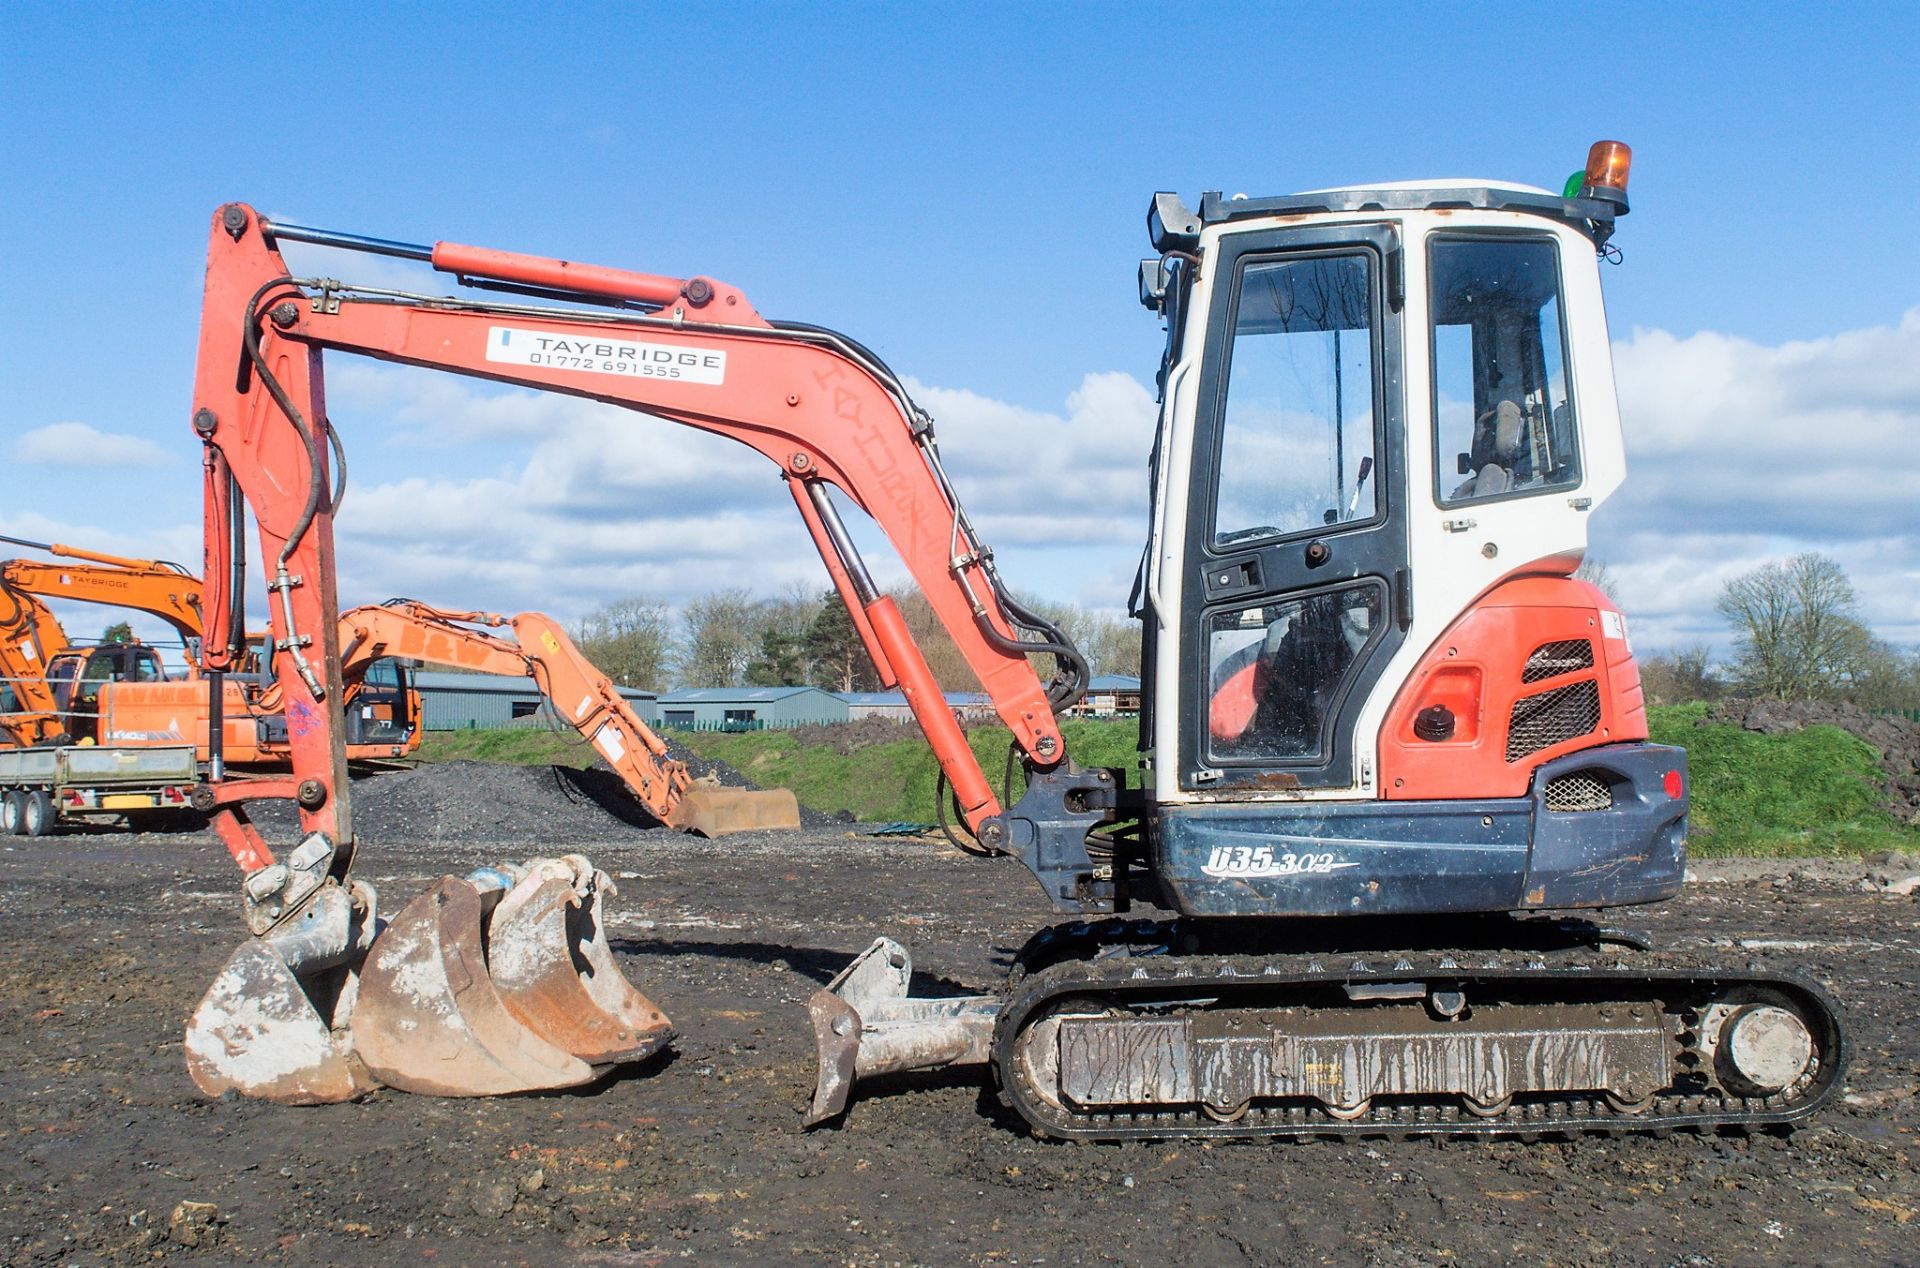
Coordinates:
<point>579,694</point>
<point>54,685</point>
<point>121,695</point>
<point>1388,741</point>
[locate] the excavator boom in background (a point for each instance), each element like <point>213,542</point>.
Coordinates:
<point>1387,740</point>
<point>579,695</point>
<point>121,695</point>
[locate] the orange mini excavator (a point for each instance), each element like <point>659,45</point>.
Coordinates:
<point>1390,747</point>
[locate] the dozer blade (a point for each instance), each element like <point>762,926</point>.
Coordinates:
<point>429,1018</point>
<point>712,810</point>
<point>865,1023</point>
<point>548,956</point>
<point>258,1033</point>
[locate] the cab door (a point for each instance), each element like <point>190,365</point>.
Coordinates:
<point>1296,542</point>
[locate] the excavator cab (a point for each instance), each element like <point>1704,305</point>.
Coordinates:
<point>385,708</point>
<point>1380,672</point>
<point>78,674</point>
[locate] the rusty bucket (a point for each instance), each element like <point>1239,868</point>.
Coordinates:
<point>711,809</point>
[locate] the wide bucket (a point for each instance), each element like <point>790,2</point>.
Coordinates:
<point>713,810</point>
<point>476,989</point>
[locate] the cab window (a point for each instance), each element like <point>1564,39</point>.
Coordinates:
<point>1298,424</point>
<point>1504,422</point>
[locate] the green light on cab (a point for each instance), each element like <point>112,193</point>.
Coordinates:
<point>1574,184</point>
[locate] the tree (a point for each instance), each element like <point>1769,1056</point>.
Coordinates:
<point>118,632</point>
<point>720,632</point>
<point>782,661</point>
<point>1682,676</point>
<point>1799,636</point>
<point>836,658</point>
<point>629,641</point>
<point>1596,573</point>
<point>1112,645</point>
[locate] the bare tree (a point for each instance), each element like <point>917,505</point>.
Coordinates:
<point>629,640</point>
<point>1681,676</point>
<point>1798,634</point>
<point>720,634</point>
<point>1112,646</point>
<point>1596,573</point>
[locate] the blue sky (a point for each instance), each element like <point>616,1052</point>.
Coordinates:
<point>963,190</point>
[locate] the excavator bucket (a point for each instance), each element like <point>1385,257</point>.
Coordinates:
<point>258,1032</point>
<point>500,986</point>
<point>274,1024</point>
<point>711,809</point>
<point>549,959</point>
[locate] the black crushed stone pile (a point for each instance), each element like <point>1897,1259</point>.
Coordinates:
<point>484,802</point>
<point>1896,738</point>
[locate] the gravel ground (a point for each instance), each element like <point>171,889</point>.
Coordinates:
<point>475,803</point>
<point>106,942</point>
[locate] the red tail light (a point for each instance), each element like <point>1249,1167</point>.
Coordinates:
<point>1674,785</point>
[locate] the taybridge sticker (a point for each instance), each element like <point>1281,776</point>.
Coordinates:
<point>598,354</point>
<point>1260,860</point>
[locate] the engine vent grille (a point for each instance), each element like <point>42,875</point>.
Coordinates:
<point>1546,719</point>
<point>1578,791</point>
<point>1550,660</point>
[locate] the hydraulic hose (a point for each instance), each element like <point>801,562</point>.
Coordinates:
<point>316,487</point>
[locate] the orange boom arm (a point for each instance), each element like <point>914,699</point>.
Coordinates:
<point>817,405</point>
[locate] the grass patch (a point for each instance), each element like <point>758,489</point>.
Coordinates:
<point>1809,793</point>
<point>894,781</point>
<point>1806,793</point>
<point>518,746</point>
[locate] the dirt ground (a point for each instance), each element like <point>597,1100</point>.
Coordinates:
<point>106,942</point>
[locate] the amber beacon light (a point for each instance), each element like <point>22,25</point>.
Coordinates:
<point>1606,176</point>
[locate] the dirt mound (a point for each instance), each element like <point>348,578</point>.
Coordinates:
<point>1895,738</point>
<point>485,802</point>
<point>850,737</point>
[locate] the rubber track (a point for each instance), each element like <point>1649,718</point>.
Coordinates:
<point>1061,962</point>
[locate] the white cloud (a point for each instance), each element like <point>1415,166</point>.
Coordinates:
<point>607,502</point>
<point>78,445</point>
<point>1740,453</point>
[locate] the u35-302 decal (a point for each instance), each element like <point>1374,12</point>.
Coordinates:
<point>1242,861</point>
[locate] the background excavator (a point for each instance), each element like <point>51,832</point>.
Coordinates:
<point>122,695</point>
<point>579,695</point>
<point>54,683</point>
<point>1388,743</point>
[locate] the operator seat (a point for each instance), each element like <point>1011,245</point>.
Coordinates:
<point>1497,438</point>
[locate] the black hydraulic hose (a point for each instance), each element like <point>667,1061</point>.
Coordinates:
<point>250,335</point>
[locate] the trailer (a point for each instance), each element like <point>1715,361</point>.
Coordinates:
<point>41,787</point>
